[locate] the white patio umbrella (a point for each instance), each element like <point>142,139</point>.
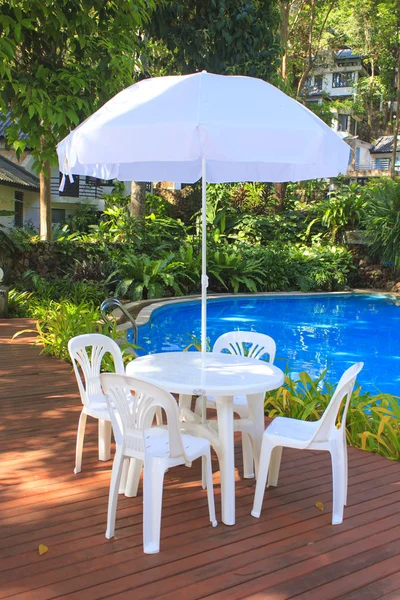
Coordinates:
<point>220,128</point>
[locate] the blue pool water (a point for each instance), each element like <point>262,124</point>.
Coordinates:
<point>311,332</point>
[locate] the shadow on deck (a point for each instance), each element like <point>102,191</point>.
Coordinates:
<point>292,551</point>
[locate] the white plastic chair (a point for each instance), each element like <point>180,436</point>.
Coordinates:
<point>241,343</point>
<point>157,448</point>
<point>328,433</point>
<point>87,370</point>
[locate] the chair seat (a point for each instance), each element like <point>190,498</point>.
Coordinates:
<point>292,429</point>
<point>97,407</point>
<point>157,443</point>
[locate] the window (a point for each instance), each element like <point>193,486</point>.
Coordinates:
<point>318,80</point>
<point>58,215</point>
<point>70,189</point>
<point>18,209</point>
<point>95,181</point>
<point>340,80</point>
<point>343,121</point>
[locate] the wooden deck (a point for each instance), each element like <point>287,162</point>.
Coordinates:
<point>292,551</point>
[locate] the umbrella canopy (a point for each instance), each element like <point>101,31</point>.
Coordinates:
<point>220,128</point>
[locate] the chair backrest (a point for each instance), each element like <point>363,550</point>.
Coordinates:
<point>131,414</point>
<point>246,343</point>
<point>87,352</point>
<point>327,423</point>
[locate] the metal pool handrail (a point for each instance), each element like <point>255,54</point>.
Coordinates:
<point>114,302</point>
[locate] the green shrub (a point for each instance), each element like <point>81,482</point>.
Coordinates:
<point>85,216</point>
<point>58,322</point>
<point>342,210</point>
<point>321,268</point>
<point>231,270</point>
<point>382,220</point>
<point>144,278</point>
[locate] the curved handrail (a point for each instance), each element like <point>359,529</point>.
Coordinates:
<point>114,302</point>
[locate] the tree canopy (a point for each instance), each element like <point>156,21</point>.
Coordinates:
<point>60,60</point>
<point>224,36</point>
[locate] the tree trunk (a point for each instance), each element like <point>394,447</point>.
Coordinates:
<point>280,191</point>
<point>45,202</point>
<point>396,123</point>
<point>284,35</point>
<point>310,59</point>
<point>138,199</point>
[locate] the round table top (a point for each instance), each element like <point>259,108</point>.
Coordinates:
<point>219,374</point>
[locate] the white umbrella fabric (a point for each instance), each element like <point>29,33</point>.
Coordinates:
<point>220,128</point>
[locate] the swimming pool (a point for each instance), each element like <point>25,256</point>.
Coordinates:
<point>312,332</point>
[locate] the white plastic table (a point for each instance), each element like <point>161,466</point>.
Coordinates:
<point>223,376</point>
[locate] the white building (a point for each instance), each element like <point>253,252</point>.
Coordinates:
<point>335,76</point>
<point>19,189</point>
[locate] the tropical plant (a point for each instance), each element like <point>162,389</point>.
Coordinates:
<point>146,278</point>
<point>373,421</point>
<point>62,321</point>
<point>342,210</point>
<point>18,302</point>
<point>319,267</point>
<point>117,226</point>
<point>84,216</point>
<point>233,271</point>
<point>162,233</point>
<point>382,220</point>
<point>58,322</point>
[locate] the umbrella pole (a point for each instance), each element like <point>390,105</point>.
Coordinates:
<point>204,278</point>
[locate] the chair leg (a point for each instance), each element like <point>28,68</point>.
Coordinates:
<point>262,474</point>
<point>346,471</point>
<point>248,459</point>
<point>203,472</point>
<point>274,466</point>
<point>207,468</point>
<point>79,442</point>
<point>153,482</point>
<point>132,483</point>
<point>159,419</point>
<point>198,406</point>
<point>104,439</point>
<point>338,481</point>
<point>201,409</point>
<point>113,494</point>
<point>124,476</point>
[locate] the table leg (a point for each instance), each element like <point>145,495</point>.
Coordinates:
<point>185,401</point>
<point>256,413</point>
<point>226,457</point>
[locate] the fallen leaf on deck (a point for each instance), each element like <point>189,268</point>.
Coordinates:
<point>320,505</point>
<point>42,549</point>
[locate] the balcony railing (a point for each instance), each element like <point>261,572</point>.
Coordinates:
<point>80,189</point>
<point>383,164</point>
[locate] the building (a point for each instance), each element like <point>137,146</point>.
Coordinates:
<point>335,77</point>
<point>20,181</point>
<point>19,194</point>
<point>376,162</point>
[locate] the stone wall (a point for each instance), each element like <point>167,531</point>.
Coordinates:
<point>370,274</point>
<point>50,259</point>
